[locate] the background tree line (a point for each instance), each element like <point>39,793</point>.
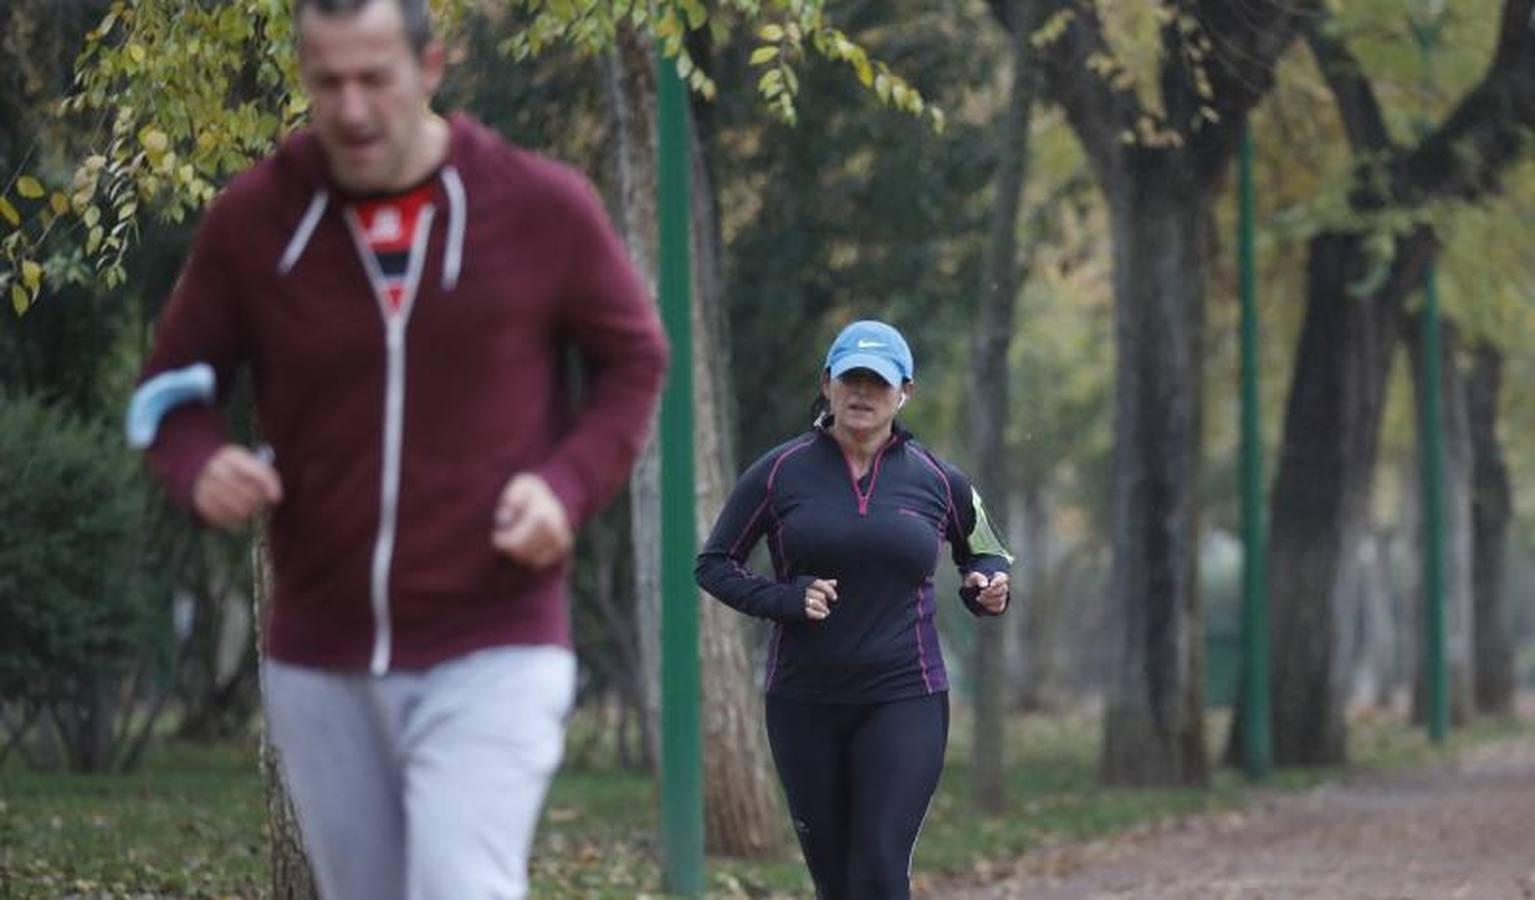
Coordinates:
<point>1058,252</point>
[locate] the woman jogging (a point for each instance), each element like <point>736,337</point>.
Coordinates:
<point>857,707</point>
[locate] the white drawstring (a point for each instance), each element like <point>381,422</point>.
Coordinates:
<point>453,259</point>
<point>306,227</point>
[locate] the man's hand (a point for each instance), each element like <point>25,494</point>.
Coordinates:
<point>993,591</point>
<point>234,485</point>
<point>531,525</point>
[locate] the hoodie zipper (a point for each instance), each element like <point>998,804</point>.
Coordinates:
<point>395,323</point>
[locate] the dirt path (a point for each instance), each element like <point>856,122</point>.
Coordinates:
<point>1464,829</point>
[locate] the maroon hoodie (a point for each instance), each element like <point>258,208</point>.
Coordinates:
<point>395,433</point>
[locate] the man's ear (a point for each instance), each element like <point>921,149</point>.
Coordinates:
<point>434,61</point>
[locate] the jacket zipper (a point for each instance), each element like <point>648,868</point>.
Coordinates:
<point>852,474</point>
<point>395,322</point>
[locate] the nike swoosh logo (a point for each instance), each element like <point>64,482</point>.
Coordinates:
<point>864,345</point>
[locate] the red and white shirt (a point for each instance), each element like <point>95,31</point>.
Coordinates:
<point>389,230</point>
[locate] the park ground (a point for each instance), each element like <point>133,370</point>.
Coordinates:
<point>1405,820</point>
<point>1460,828</point>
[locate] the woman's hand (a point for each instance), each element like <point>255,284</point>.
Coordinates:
<point>993,591</point>
<point>819,596</point>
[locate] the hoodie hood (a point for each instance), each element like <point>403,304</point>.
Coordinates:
<point>301,156</point>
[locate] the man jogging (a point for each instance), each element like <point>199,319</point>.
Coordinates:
<point>402,289</point>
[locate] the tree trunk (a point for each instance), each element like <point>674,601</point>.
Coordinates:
<point>1332,424</point>
<point>1376,651</point>
<point>1159,188</point>
<point>631,101</point>
<point>1319,505</point>
<point>740,802</point>
<point>291,876</point>
<point>1491,512</point>
<point>989,378</point>
<point>1040,622</point>
<point>1154,720</point>
<point>741,814</point>
<point>1457,526</point>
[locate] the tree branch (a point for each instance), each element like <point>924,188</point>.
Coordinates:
<point>1099,113</point>
<point>1351,89</point>
<point>1490,129</point>
<point>1246,39</point>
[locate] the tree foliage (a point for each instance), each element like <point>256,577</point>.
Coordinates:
<point>180,96</point>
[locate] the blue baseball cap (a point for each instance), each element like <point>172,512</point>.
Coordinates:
<point>867,344</point>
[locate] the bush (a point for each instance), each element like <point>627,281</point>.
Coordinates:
<point>81,612</point>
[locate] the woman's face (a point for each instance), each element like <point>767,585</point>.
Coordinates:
<point>861,400</point>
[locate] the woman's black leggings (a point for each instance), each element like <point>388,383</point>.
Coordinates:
<point>858,777</point>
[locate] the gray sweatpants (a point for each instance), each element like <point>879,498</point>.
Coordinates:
<point>422,785</point>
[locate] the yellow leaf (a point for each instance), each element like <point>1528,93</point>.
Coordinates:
<point>764,55</point>
<point>865,71</point>
<point>154,140</point>
<point>9,213</point>
<point>771,33</point>
<point>59,202</point>
<point>31,274</point>
<point>19,299</point>
<point>137,54</point>
<point>29,187</point>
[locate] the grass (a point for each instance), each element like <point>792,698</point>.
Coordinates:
<point>191,824</point>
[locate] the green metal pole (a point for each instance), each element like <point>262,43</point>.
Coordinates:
<point>1257,742</point>
<point>681,733</point>
<point>1431,442</point>
<point>1426,22</point>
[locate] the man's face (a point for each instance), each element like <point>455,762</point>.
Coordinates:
<point>368,93</point>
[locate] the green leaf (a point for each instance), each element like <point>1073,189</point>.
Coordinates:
<point>29,187</point>
<point>771,33</point>
<point>9,213</point>
<point>31,275</point>
<point>771,82</point>
<point>19,299</point>
<point>764,55</point>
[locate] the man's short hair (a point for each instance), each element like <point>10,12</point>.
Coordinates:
<point>418,17</point>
